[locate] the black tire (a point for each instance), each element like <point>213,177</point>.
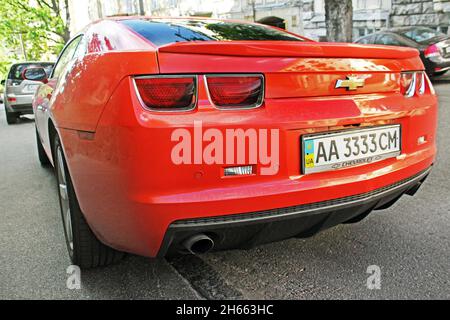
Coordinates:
<point>11,117</point>
<point>43,159</point>
<point>85,250</point>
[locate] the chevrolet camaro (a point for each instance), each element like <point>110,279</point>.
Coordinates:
<point>186,135</point>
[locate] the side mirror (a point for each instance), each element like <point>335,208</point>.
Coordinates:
<point>35,74</point>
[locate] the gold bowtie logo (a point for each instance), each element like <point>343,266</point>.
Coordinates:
<point>351,83</point>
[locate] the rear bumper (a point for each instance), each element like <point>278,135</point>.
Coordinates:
<point>250,229</point>
<point>20,108</point>
<point>438,65</point>
<point>22,104</point>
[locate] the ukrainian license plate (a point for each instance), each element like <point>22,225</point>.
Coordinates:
<point>343,149</point>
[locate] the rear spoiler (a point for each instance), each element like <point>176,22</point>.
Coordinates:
<point>290,49</point>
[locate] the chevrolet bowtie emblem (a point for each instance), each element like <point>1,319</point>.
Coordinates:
<point>351,83</point>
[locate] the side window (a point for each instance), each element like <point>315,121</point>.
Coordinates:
<point>388,40</point>
<point>366,40</point>
<point>65,57</point>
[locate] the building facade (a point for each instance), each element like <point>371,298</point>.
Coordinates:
<point>306,17</point>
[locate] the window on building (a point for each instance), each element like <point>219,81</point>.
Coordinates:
<point>319,6</point>
<point>372,4</point>
<point>257,2</point>
<point>294,21</point>
<point>156,4</point>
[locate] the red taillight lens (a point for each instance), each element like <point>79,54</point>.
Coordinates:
<point>236,91</point>
<point>414,83</point>
<point>432,51</point>
<point>167,92</point>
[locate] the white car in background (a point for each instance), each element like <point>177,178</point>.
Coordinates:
<point>19,93</point>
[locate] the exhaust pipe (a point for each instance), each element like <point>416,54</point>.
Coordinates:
<point>199,244</point>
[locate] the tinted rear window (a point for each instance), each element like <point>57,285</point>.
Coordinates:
<point>161,32</point>
<point>16,70</point>
<point>422,35</point>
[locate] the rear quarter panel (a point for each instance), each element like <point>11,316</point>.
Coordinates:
<point>81,95</point>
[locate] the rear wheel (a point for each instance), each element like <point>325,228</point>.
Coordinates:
<point>11,117</point>
<point>85,250</point>
<point>43,159</point>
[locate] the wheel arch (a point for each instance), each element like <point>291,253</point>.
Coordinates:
<point>51,137</point>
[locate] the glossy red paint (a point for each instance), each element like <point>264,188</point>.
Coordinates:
<point>125,181</point>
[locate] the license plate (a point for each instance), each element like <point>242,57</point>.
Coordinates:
<point>343,149</point>
<point>30,88</point>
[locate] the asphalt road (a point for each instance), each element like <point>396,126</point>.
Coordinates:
<point>409,242</point>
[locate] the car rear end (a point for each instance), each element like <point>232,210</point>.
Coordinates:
<point>434,47</point>
<point>19,92</point>
<point>303,101</point>
<point>438,57</point>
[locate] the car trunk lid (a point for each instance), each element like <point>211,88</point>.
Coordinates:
<point>295,69</point>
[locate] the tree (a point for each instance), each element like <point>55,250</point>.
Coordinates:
<point>41,28</point>
<point>339,20</point>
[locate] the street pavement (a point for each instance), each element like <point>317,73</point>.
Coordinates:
<point>409,242</point>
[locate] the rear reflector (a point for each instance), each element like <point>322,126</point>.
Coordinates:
<point>236,91</point>
<point>167,93</point>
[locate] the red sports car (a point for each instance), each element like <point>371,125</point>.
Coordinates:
<point>188,135</point>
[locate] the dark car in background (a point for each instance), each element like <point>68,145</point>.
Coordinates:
<point>18,92</point>
<point>434,46</point>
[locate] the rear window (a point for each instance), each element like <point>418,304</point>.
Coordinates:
<point>161,32</point>
<point>422,34</point>
<point>16,70</point>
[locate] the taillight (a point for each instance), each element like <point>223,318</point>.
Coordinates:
<point>432,51</point>
<point>236,91</point>
<point>412,83</point>
<point>430,85</point>
<point>167,93</point>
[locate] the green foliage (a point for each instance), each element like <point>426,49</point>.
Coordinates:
<point>41,26</point>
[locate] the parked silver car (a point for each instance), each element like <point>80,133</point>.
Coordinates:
<point>19,93</point>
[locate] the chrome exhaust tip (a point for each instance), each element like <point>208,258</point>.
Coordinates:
<point>199,244</point>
